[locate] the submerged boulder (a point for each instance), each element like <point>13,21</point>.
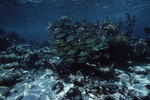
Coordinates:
<point>147,29</point>
<point>73,94</point>
<point>119,45</point>
<point>148,40</point>
<point>4,90</point>
<point>4,40</point>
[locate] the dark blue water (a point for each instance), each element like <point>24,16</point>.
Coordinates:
<point>30,17</point>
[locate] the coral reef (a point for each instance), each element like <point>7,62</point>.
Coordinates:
<point>109,28</point>
<point>78,63</point>
<point>38,74</point>
<point>14,36</point>
<point>130,24</point>
<point>139,49</point>
<point>84,42</point>
<point>8,39</point>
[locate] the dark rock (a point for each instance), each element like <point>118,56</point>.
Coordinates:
<point>67,80</point>
<point>23,49</point>
<point>9,65</point>
<point>9,77</point>
<point>32,58</point>
<point>30,97</point>
<point>58,87</point>
<point>4,90</point>
<point>147,29</point>
<point>73,94</point>
<point>4,42</point>
<point>94,90</point>
<point>148,40</point>
<point>45,43</point>
<point>5,58</point>
<point>14,36</point>
<point>79,82</point>
<point>113,89</point>
<point>136,98</point>
<point>2,31</point>
<point>105,89</point>
<point>109,98</point>
<point>147,97</point>
<point>119,45</point>
<point>48,76</point>
<point>148,86</point>
<point>19,97</point>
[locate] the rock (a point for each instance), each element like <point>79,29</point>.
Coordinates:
<point>4,41</point>
<point>47,85</point>
<point>147,29</point>
<point>148,40</point>
<point>4,90</point>
<point>124,80</point>
<point>79,82</point>
<point>148,86</point>
<point>137,98</point>
<point>8,77</point>
<point>109,97</point>
<point>73,94</point>
<point>19,97</point>
<point>119,45</point>
<point>9,65</point>
<point>140,91</point>
<point>14,36</point>
<point>139,50</point>
<point>58,87</point>
<point>139,69</point>
<point>8,58</point>
<point>30,96</point>
<point>32,59</point>
<point>148,76</point>
<point>92,81</point>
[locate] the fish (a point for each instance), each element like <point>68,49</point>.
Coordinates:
<point>80,30</point>
<point>54,51</point>
<point>60,35</point>
<point>76,41</point>
<point>96,56</point>
<point>69,60</point>
<point>90,40</point>
<point>95,48</point>
<point>67,47</point>
<point>56,30</point>
<point>72,51</point>
<point>82,59</point>
<point>70,38</point>
<point>63,44</point>
<point>90,44</point>
<point>59,41</point>
<point>84,53</point>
